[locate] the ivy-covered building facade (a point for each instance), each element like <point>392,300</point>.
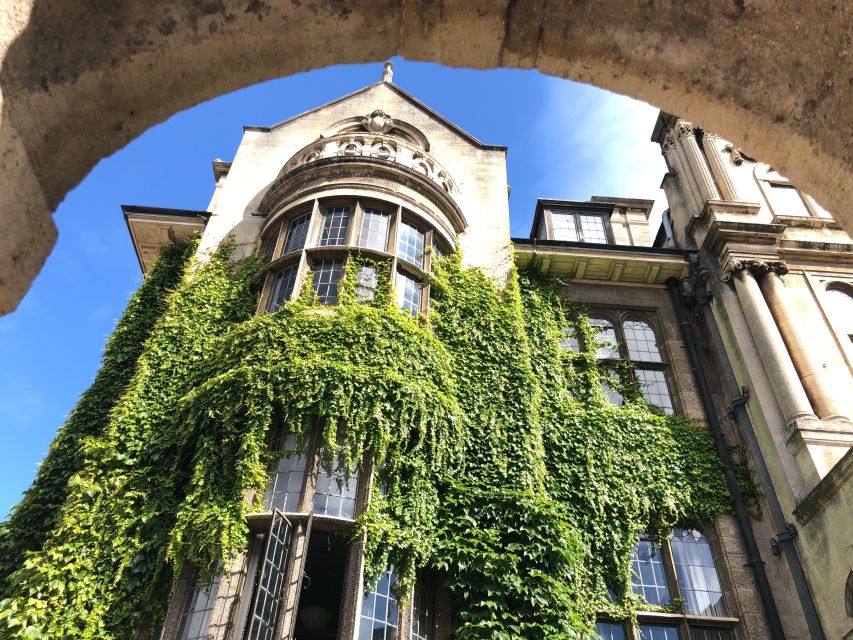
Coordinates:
<point>346,405</point>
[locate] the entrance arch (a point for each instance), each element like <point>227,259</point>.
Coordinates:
<point>77,84</point>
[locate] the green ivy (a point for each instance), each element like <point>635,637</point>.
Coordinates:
<point>494,455</point>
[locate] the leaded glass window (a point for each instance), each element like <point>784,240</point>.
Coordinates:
<point>327,276</point>
<point>612,395</point>
<point>641,341</point>
<point>697,574</point>
<point>268,244</point>
<point>196,618</point>
<point>297,233</point>
<point>410,244</point>
<point>263,614</point>
<point>658,632</point>
<point>654,389</point>
<point>379,613</point>
<point>609,631</point>
<point>285,488</point>
<point>335,226</point>
<point>593,229</point>
<point>579,227</point>
<point>285,281</point>
<point>334,493</point>
<point>648,578</point>
<point>570,340</point>
<point>366,280</point>
<point>409,293</point>
<point>563,225</point>
<point>711,633</point>
<point>608,348</point>
<point>374,229</point>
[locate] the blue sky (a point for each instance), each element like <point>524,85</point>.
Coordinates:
<point>566,140</point>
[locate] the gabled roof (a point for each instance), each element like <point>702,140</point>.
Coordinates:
<point>403,94</point>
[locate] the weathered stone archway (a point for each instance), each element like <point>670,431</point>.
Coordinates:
<point>80,79</point>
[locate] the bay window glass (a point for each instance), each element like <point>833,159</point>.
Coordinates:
<point>268,245</point>
<point>297,233</point>
<point>410,244</point>
<point>334,493</point>
<point>283,285</point>
<point>366,280</point>
<point>648,577</point>
<point>374,229</point>
<point>408,293</point>
<point>285,488</point>
<point>697,574</point>
<point>197,615</point>
<point>327,276</point>
<point>335,226</point>
<point>379,612</point>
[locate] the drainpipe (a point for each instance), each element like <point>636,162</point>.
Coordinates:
<point>753,555</point>
<point>784,541</point>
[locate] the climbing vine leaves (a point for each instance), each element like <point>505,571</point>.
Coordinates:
<point>493,454</point>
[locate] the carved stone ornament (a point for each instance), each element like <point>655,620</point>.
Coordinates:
<point>680,130</point>
<point>378,122</point>
<point>758,268</point>
<point>737,156</point>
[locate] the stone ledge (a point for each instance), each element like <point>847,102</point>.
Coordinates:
<point>825,490</point>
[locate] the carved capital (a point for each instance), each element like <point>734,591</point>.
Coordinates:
<point>758,268</point>
<point>679,131</point>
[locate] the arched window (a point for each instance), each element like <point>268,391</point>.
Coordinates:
<point>697,574</point>
<point>609,345</point>
<point>641,341</point>
<point>841,308</point>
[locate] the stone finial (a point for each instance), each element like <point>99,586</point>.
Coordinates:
<point>388,73</point>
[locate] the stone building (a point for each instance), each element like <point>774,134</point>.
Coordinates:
<point>737,314</point>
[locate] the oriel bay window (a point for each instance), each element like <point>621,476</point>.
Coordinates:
<point>301,575</point>
<point>681,596</point>
<point>319,238</point>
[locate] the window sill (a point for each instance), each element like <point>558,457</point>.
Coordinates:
<point>806,222</point>
<point>261,520</point>
<point>662,616</point>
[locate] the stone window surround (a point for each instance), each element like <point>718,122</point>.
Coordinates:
<point>617,317</point>
<point>359,200</point>
<point>234,592</point>
<point>548,221</point>
<point>762,172</point>
<point>684,621</point>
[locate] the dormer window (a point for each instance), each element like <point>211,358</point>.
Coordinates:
<point>576,226</point>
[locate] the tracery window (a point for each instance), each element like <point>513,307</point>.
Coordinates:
<point>680,566</point>
<point>840,309</point>
<point>323,238</point>
<point>623,334</point>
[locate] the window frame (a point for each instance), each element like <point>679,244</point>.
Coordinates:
<point>617,318</point>
<point>686,622</point>
<point>312,251</point>
<point>576,215</point>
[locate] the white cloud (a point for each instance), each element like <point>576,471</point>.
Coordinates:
<point>601,145</point>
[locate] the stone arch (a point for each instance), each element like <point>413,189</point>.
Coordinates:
<point>76,84</point>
